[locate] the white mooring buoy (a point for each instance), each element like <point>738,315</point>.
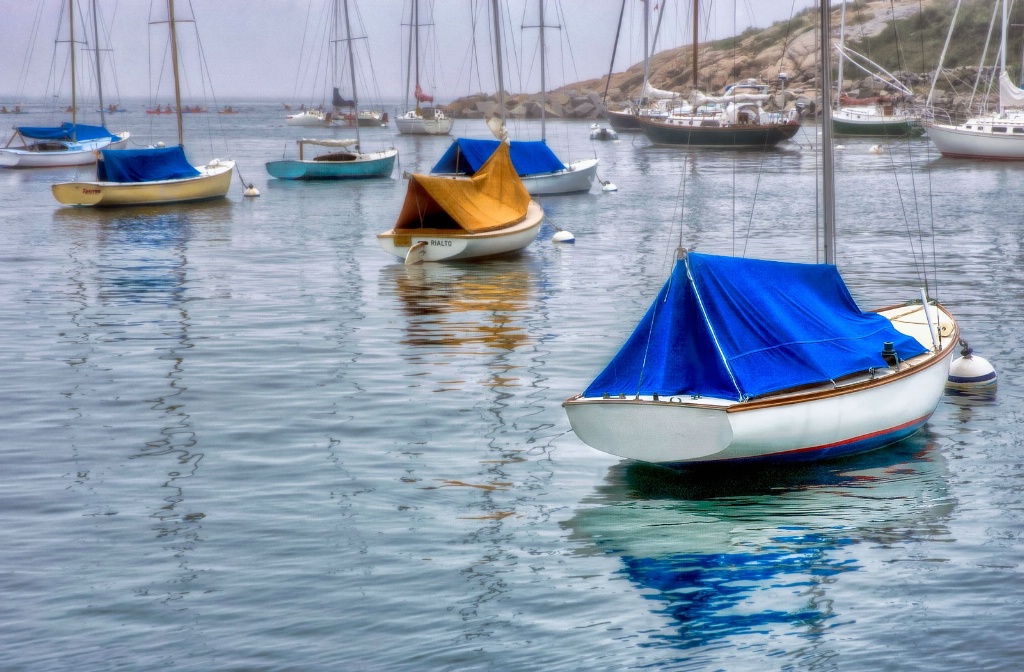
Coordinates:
<point>970,372</point>
<point>563,236</point>
<point>251,191</point>
<point>607,187</point>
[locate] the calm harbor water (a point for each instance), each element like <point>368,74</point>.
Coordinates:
<point>238,436</point>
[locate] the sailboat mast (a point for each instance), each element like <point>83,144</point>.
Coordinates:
<point>696,18</point>
<point>1002,53</point>
<point>839,62</point>
<point>416,42</point>
<point>174,64</point>
<point>352,73</point>
<point>647,47</point>
<point>74,93</point>
<point>827,170</point>
<point>497,56</point>
<point>543,86</point>
<point>99,67</point>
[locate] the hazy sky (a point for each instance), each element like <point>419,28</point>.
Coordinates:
<point>275,48</point>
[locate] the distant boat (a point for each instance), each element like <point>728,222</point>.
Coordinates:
<point>429,120</point>
<point>599,132</point>
<point>881,116</point>
<point>150,176</point>
<point>985,136</point>
<point>446,218</point>
<point>70,144</point>
<point>337,165</point>
<point>746,360</point>
<point>311,118</point>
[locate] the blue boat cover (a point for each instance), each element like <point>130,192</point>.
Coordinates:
<point>465,156</point>
<point>66,131</point>
<point>739,328</point>
<point>144,165</point>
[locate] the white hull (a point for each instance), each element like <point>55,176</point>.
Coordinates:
<point>213,182</point>
<point>456,244</point>
<point>978,139</point>
<point>309,118</point>
<point>413,124</point>
<point>579,176</point>
<point>75,154</point>
<point>853,416</point>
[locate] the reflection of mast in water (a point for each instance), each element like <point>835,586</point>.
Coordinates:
<point>482,322</point>
<point>729,553</point>
<point>140,315</point>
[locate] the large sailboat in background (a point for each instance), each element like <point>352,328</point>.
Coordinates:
<point>734,119</point>
<point>744,360</point>
<point>651,102</point>
<point>985,136</point>
<point>421,120</point>
<point>347,160</point>
<point>152,175</point>
<point>71,143</point>
<point>875,116</point>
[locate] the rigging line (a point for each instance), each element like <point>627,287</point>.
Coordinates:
<point>753,202</point>
<point>615,47</point>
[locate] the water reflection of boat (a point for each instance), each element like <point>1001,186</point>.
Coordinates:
<point>455,305</point>
<point>742,551</point>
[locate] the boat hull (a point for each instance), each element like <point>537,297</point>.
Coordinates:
<point>411,124</point>
<point>817,424</point>
<point>308,118</point>
<point>367,165</point>
<point>213,182</point>
<point>875,125</point>
<point>577,177</point>
<point>622,121</point>
<point>456,244</point>
<point>739,136</point>
<point>74,154</point>
<point>959,142</point>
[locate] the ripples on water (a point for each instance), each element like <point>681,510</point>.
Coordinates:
<point>239,436</point>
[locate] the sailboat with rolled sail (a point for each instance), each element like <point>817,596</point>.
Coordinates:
<point>651,102</point>
<point>746,360</point>
<point>152,175</point>
<point>986,136</point>
<point>424,118</point>
<point>735,119</point>
<point>346,160</point>
<point>71,143</point>
<point>540,169</point>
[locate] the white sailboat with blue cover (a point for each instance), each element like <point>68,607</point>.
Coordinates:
<point>745,360</point>
<point>152,175</point>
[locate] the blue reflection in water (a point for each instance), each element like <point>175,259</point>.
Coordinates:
<point>729,552</point>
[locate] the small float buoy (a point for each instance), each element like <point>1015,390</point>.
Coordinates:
<point>251,191</point>
<point>608,187</point>
<point>875,149</point>
<point>969,371</point>
<point>563,236</point>
<point>840,147</point>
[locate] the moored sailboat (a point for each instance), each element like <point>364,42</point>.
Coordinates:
<point>153,175</point>
<point>447,218</point>
<point>423,119</point>
<point>748,360</point>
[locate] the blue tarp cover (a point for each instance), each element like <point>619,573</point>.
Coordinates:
<point>144,165</point>
<point>465,156</point>
<point>66,131</point>
<point>778,325</point>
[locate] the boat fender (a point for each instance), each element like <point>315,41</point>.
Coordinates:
<point>213,163</point>
<point>969,371</point>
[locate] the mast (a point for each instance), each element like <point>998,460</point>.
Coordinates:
<point>543,88</point>
<point>74,97</point>
<point>1002,54</point>
<point>174,63</point>
<point>647,48</point>
<point>828,193</point>
<point>497,54</point>
<point>696,18</point>
<point>99,67</point>
<point>352,73</point>
<point>416,42</point>
<point>408,60</point>
<point>839,62</point>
